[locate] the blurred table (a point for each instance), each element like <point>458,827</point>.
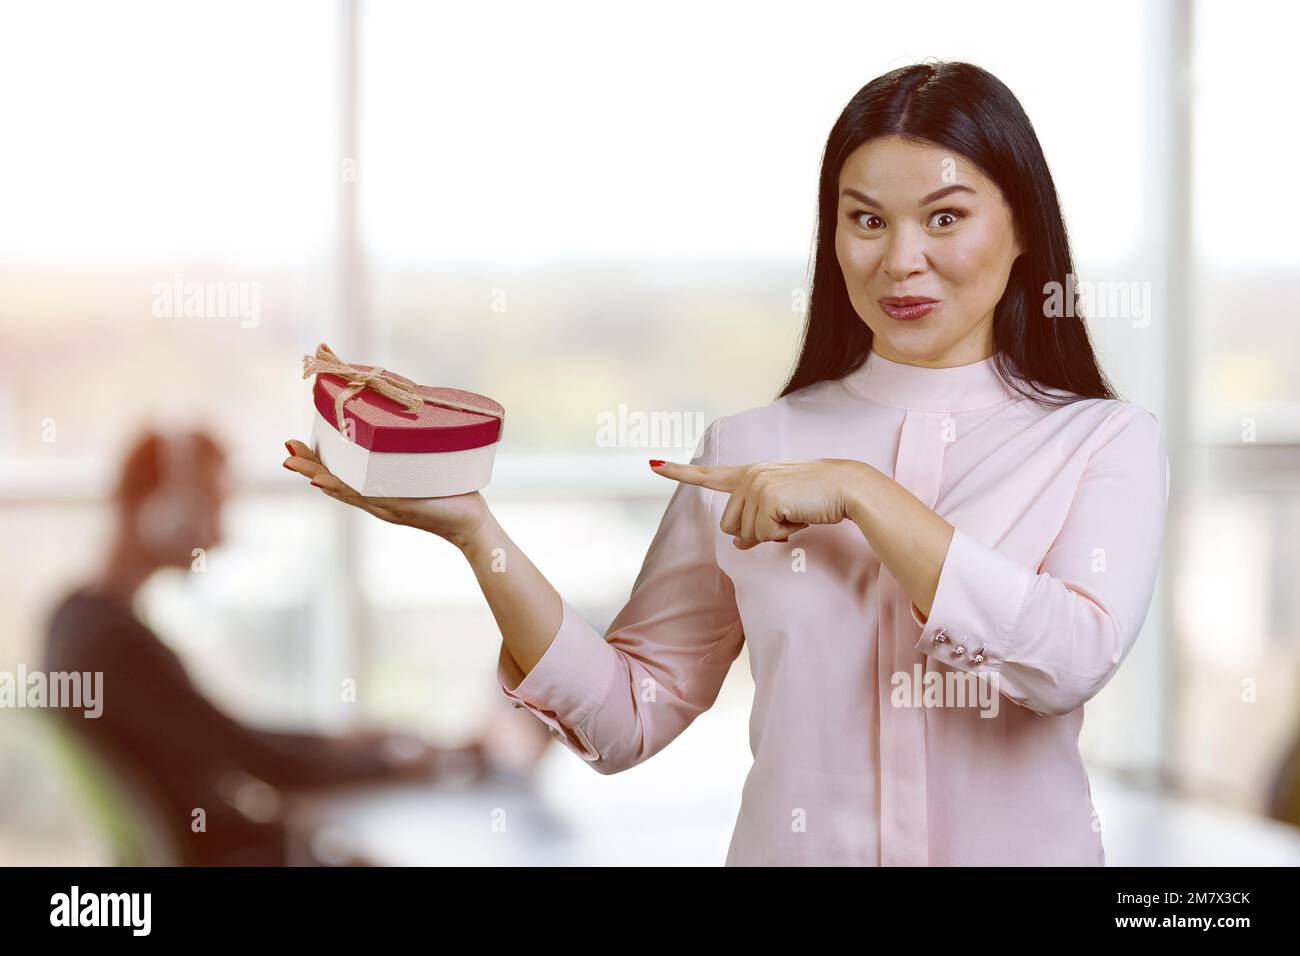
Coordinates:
<point>500,822</point>
<point>508,822</point>
<point>1142,828</point>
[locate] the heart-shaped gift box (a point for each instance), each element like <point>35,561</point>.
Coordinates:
<point>387,437</point>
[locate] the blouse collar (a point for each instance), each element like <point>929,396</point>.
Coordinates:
<point>950,389</point>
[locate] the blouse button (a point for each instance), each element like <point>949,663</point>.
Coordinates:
<point>940,636</point>
<point>978,657</point>
<point>515,704</point>
<point>959,650</point>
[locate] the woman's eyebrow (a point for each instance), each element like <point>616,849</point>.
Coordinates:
<point>937,194</point>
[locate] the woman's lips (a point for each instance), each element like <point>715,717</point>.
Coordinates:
<point>908,308</point>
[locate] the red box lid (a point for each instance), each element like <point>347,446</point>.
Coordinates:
<point>381,424</point>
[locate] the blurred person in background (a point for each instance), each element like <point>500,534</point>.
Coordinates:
<point>1284,787</point>
<point>160,731</point>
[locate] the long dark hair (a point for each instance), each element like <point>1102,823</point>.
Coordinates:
<point>968,110</point>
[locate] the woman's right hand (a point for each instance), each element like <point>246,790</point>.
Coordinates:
<point>454,518</point>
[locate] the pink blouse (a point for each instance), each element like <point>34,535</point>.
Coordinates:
<point>880,737</point>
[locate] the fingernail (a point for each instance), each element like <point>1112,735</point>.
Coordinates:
<point>286,464</point>
<point>315,485</point>
<point>656,462</point>
<point>290,447</point>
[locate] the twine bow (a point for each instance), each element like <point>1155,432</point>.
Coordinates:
<point>376,379</point>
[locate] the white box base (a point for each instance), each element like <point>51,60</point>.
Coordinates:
<point>401,474</point>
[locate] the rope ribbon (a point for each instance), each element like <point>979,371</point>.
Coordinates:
<point>378,380</point>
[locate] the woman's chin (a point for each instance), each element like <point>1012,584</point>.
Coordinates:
<point>913,345</point>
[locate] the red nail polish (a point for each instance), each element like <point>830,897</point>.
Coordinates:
<point>656,462</point>
<point>290,448</point>
<point>286,465</point>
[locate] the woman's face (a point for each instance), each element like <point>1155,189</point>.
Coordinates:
<point>921,221</point>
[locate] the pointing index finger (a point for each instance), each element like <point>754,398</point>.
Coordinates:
<point>717,477</point>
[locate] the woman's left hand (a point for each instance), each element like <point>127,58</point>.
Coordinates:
<point>772,500</point>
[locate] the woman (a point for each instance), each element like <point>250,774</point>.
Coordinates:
<point>946,501</point>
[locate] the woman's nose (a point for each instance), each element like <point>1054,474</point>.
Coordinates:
<point>905,254</point>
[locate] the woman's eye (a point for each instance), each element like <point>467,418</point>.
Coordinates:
<point>863,219</point>
<point>952,215</point>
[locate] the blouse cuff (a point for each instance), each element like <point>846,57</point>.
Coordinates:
<point>567,684</point>
<point>976,606</point>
